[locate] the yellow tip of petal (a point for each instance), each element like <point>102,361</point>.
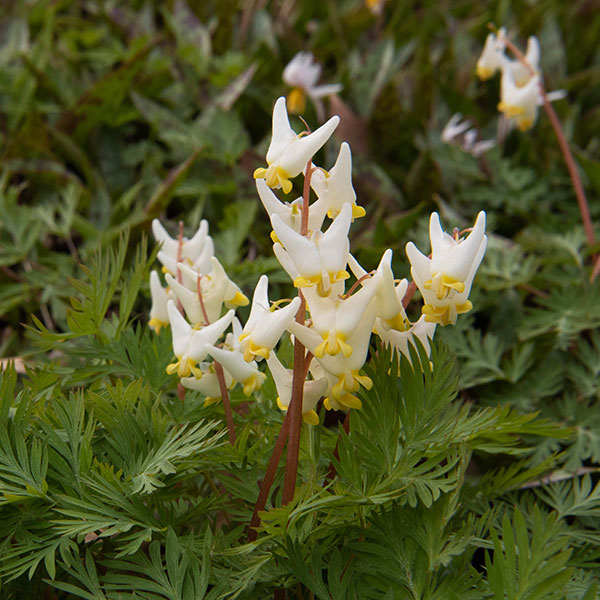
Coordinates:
<point>286,186</point>
<point>260,173</point>
<point>239,300</point>
<point>296,101</point>
<point>358,211</point>
<point>310,417</point>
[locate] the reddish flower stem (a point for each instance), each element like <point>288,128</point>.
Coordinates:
<point>410,292</point>
<point>299,373</point>
<point>568,157</point>
<point>218,372</point>
<point>267,482</point>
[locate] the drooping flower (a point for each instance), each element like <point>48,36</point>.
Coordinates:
<point>290,213</point>
<point>459,132</point>
<point>334,188</point>
<point>520,103</point>
<point>288,152</point>
<point>190,345</point>
<point>208,384</point>
<point>159,316</point>
<point>422,330</point>
<point>302,74</point>
<point>335,319</point>
<point>319,260</point>
<point>314,389</point>
<point>342,372</point>
<point>190,249</point>
<point>241,371</point>
<point>492,57</point>
<point>265,325</point>
<point>445,279</point>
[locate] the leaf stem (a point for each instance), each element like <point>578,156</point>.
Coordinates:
<point>267,482</point>
<point>218,371</point>
<point>299,373</point>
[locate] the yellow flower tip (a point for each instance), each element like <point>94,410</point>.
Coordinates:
<point>398,322</point>
<point>301,282</point>
<point>165,270</point>
<point>248,356</point>
<point>156,324</point>
<point>172,368</point>
<point>310,417</point>
<point>337,389</point>
<point>209,401</point>
<point>274,238</point>
<point>286,186</point>
<point>461,309</point>
<point>281,405</point>
<point>320,349</point>
<point>340,276</point>
<point>327,404</point>
<point>346,348</point>
<point>483,73</point>
<point>350,401</point>
<point>239,300</point>
<point>296,101</point>
<point>358,211</point>
<point>260,173</point>
<point>524,124</point>
<point>365,381</point>
<point>258,350</point>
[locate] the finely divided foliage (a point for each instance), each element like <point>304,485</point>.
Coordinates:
<point>256,405</point>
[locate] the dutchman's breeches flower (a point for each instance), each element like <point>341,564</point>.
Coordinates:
<point>342,372</point>
<point>241,371</point>
<point>520,103</point>
<point>445,279</point>
<point>313,390</point>
<point>159,316</point>
<point>400,340</point>
<point>336,319</point>
<point>334,188</point>
<point>190,248</point>
<point>190,345</point>
<point>265,325</point>
<point>289,152</point>
<point>208,384</point>
<point>321,259</point>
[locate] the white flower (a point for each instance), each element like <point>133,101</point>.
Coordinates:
<point>342,372</point>
<point>190,345</point>
<point>445,279</point>
<point>208,384</point>
<point>454,127</point>
<point>265,325</point>
<point>519,103</point>
<point>290,213</point>
<point>216,288</point>
<point>399,340</point>
<point>334,188</point>
<point>313,390</point>
<point>191,249</point>
<point>390,310</point>
<point>244,372</point>
<point>492,57</point>
<point>521,74</point>
<point>302,74</point>
<point>289,153</point>
<point>336,319</point>
<point>159,317</point>
<point>319,260</point>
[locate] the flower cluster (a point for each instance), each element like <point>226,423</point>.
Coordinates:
<point>333,323</point>
<point>521,80</point>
